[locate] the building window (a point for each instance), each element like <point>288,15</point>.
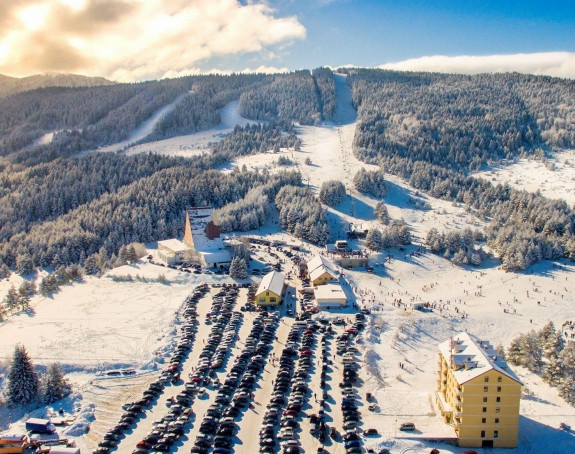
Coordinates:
<point>485,389</point>
<point>499,379</point>
<point>273,299</point>
<point>498,399</point>
<point>486,379</point>
<point>497,410</point>
<point>499,389</point>
<point>485,399</point>
<point>495,434</point>
<point>496,420</point>
<point>483,420</point>
<point>484,409</point>
<point>263,299</point>
<point>267,293</point>
<point>482,434</point>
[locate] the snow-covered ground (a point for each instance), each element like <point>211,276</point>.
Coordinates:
<point>145,129</point>
<point>99,322</point>
<point>197,143</point>
<point>125,324</point>
<point>555,177</point>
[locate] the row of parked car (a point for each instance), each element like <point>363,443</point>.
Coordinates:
<point>290,392</point>
<point>218,426</point>
<point>225,324</point>
<point>349,403</point>
<point>134,410</point>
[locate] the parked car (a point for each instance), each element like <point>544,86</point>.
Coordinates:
<point>407,426</point>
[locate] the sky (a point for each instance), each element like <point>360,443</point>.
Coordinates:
<point>131,40</point>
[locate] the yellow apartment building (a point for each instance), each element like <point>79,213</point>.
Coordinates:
<point>478,393</point>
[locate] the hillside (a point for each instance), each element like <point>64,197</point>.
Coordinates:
<point>12,85</point>
<point>122,321</point>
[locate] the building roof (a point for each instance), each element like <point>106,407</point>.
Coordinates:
<point>273,282</point>
<point>319,265</point>
<point>330,291</point>
<point>219,256</point>
<point>200,224</point>
<point>475,356</point>
<point>174,245</point>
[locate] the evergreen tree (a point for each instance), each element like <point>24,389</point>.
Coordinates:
<point>91,266</point>
<point>11,299</point>
<point>131,256</point>
<point>381,213</point>
<point>238,268</point>
<point>531,353</point>
<point>374,240</point>
<point>22,382</point>
<point>546,333</point>
<point>48,285</point>
<point>567,358</point>
<point>57,387</point>
<point>24,264</point>
<point>23,297</point>
<point>554,345</point>
<point>4,271</point>
<point>242,271</point>
<point>553,372</point>
<point>514,352</point>
<point>567,389</point>
<point>501,351</point>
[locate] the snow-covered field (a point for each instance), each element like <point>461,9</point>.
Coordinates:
<point>197,143</point>
<point>100,324</point>
<point>145,129</point>
<point>555,178</point>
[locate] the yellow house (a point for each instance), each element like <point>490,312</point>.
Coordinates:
<point>478,393</point>
<point>270,290</point>
<point>320,271</point>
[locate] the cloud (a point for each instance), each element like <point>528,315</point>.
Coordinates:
<point>558,64</point>
<point>195,71</point>
<point>130,40</point>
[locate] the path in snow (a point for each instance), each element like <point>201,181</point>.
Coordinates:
<point>197,143</point>
<point>146,128</point>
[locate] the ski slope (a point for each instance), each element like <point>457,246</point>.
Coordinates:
<point>197,143</point>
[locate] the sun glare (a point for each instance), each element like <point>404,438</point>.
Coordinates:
<point>33,16</point>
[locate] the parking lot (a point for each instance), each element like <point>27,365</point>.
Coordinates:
<point>246,380</point>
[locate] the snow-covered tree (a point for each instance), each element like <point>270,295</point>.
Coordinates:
<point>24,264</point>
<point>131,256</point>
<point>56,387</point>
<point>238,268</point>
<point>91,266</point>
<point>332,192</point>
<point>514,352</point>
<point>48,285</point>
<point>122,255</point>
<point>567,389</point>
<point>374,240</point>
<point>4,271</point>
<point>370,182</point>
<point>381,213</point>
<point>23,383</point>
<point>11,299</point>
<point>531,352</point>
<point>553,372</point>
<point>567,358</point>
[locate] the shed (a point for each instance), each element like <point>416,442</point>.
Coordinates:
<point>330,296</point>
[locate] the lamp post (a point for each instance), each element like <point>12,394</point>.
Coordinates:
<point>395,429</point>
